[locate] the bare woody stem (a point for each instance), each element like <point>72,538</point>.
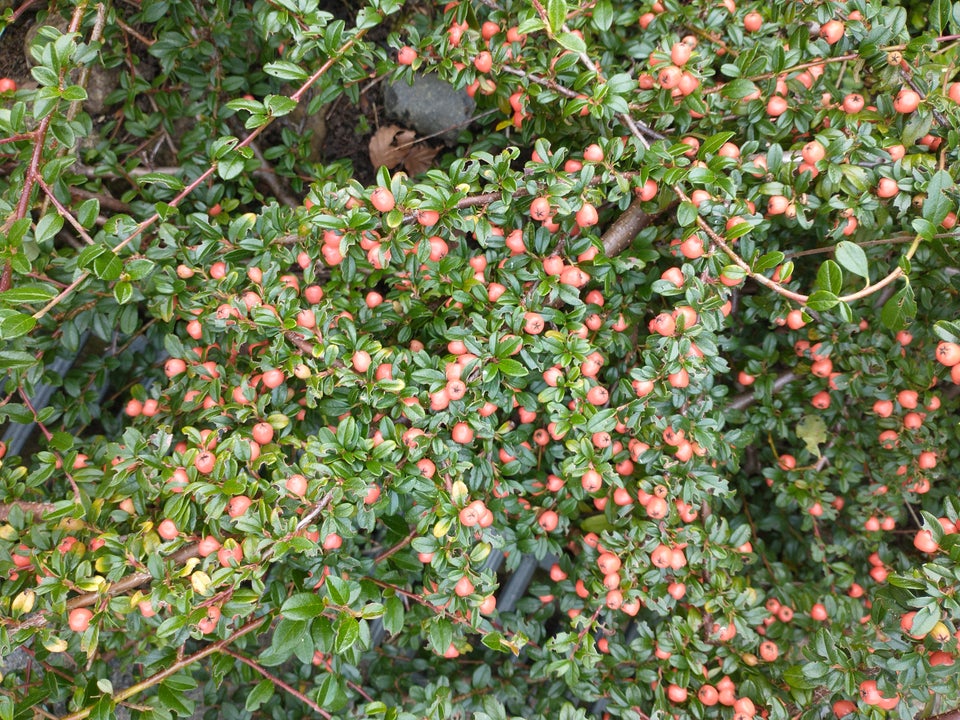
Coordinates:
<point>33,169</point>
<point>780,289</point>
<point>278,682</point>
<point>176,667</point>
<point>37,510</point>
<point>137,579</point>
<point>150,221</point>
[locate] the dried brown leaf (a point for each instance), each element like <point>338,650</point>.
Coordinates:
<point>419,159</point>
<point>382,149</point>
<point>392,146</point>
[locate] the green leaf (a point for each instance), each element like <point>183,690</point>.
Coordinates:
<point>686,214</point>
<point>285,70</point>
<point>61,441</point>
<point>74,93</point>
<point>494,641</point>
<point>852,258</point>
<point>287,636</point>
<point>87,212</point>
<point>167,181</point>
<point>107,266</point>
<point>279,105</point>
<point>303,606</point>
<point>230,167</point>
<point>45,76</point>
<point>261,692</point>
<point>924,228</point>
<point>175,699</point>
<point>572,42</point>
<point>17,232</point>
<point>899,310</point>
<point>330,693</point>
<point>714,143</point>
<point>247,104</point>
<point>767,261</point>
<point>925,619</point>
<point>738,231</point>
<point>937,204</point>
<point>813,431</point>
<point>440,635</point>
<point>6,707</point>
<point>47,228</point>
<point>103,710</point>
<point>13,326</point>
<point>947,330</point>
<point>122,292</point>
<point>830,277</point>
<point>511,368</point>
<point>939,15</point>
<point>393,615</point>
<point>738,89</point>
<point>530,25</point>
<point>556,15</point>
<point>795,677</point>
<point>24,294</point>
<point>822,300</point>
<point>603,15</point>
<point>45,100</point>
<point>348,632</point>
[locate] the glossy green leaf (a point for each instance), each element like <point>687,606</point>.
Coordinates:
<point>852,258</point>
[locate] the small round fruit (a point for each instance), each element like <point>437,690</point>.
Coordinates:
<point>167,530</point>
<point>853,103</point>
<point>540,209</point>
<point>593,153</point>
<point>907,101</point>
<point>79,619</point>
<point>832,31</point>
<point>463,587</point>
<point>586,216</point>
<point>238,505</point>
<point>948,353</point>
<point>407,55</point>
<point>483,62</point>
<point>752,22</point>
<point>382,199</point>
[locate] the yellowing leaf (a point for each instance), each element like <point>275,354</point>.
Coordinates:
<point>813,431</point>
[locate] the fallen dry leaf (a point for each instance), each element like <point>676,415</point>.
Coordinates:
<point>384,148</point>
<point>419,159</point>
<point>393,146</point>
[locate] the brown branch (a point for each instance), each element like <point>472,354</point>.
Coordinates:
<point>948,715</point>
<point>30,508</point>
<point>302,344</point>
<point>33,169</point>
<point>206,175</point>
<point>130,582</point>
<point>175,667</point>
<point>802,66</point>
<point>64,212</point>
<point>745,400</point>
<point>277,681</point>
<point>399,546</point>
<point>624,229</point>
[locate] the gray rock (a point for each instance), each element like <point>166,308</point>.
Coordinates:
<point>430,106</point>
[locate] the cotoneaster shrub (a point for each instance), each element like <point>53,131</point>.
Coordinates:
<point>676,319</point>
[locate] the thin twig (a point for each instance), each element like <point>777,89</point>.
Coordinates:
<point>277,681</point>
<point>175,667</point>
<point>745,400</point>
<point>188,190</point>
<point>37,510</point>
<point>130,582</point>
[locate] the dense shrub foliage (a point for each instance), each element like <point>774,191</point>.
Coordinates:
<point>674,320</point>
